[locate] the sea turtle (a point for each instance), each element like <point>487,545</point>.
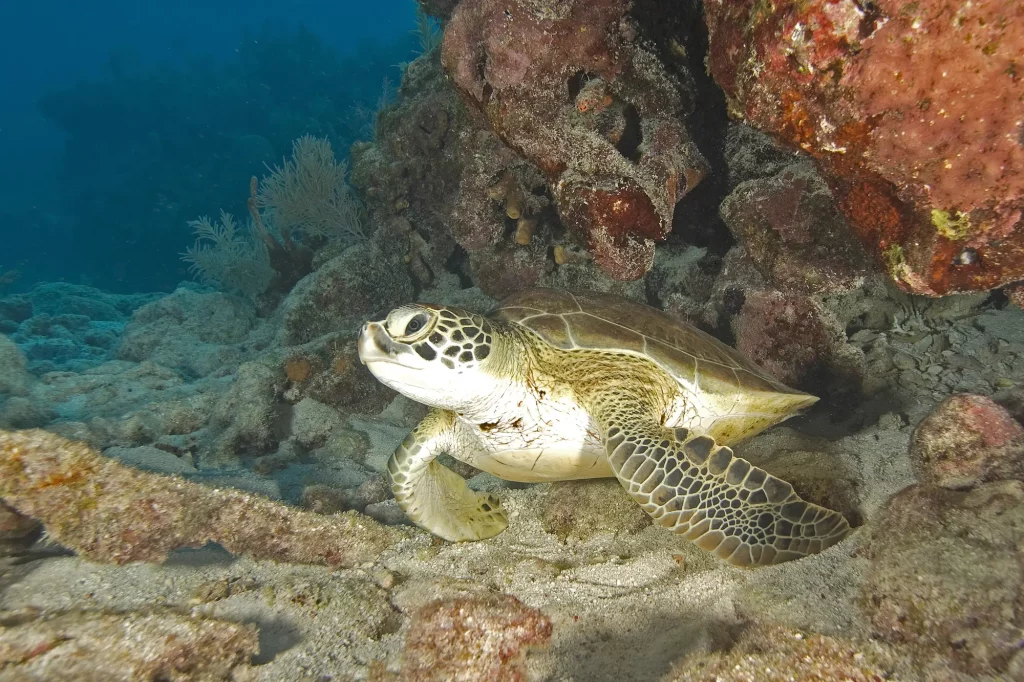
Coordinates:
<point>555,385</point>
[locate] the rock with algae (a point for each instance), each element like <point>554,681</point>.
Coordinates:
<point>14,376</point>
<point>469,638</point>
<point>912,110</point>
<point>966,440</point>
<point>108,512</point>
<point>571,87</point>
<point>109,647</point>
<point>947,576</point>
<point>800,342</point>
<point>772,653</point>
<point>793,232</point>
<point>582,509</point>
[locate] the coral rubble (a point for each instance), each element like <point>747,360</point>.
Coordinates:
<point>913,111</point>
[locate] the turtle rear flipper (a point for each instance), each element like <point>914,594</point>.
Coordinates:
<point>433,496</point>
<point>720,502</point>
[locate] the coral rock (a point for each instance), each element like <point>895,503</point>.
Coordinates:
<point>794,234</point>
<point>192,332</point>
<point>15,309</point>
<point>567,87</point>
<point>22,413</point>
<point>14,376</point>
<point>1015,292</point>
<point>429,178</point>
<point>312,422</point>
<point>772,653</point>
<point>364,280</point>
<point>328,370</point>
<point>947,575</point>
<point>480,637</point>
<point>913,111</point>
<point>582,509</point>
<point>108,512</point>
<point>323,499</point>
<point>247,414</point>
<point>502,271</point>
<point>798,342</point>
<point>736,276</point>
<point>968,439</point>
<point>438,8</point>
<point>104,647</point>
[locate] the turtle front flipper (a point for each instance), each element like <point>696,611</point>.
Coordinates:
<point>433,496</point>
<point>721,502</point>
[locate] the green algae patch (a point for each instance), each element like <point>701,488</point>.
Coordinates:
<point>895,259</point>
<point>949,227</point>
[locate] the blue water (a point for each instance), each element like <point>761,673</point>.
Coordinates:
<point>120,120</point>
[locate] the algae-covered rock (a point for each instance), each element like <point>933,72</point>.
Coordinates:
<point>110,647</point>
<point>312,422</point>
<point>582,509</point>
<point>947,575</point>
<point>480,637</point>
<point>329,371</point>
<point>108,512</point>
<point>196,333</point>
<point>14,376</point>
<point>249,412</point>
<point>799,342</point>
<point>23,413</point>
<point>366,279</point>
<point>794,234</point>
<point>966,440</point>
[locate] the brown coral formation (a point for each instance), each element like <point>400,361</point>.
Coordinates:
<point>108,512</point>
<point>913,111</point>
<point>328,370</point>
<point>341,293</point>
<point>107,647</point>
<point>569,87</point>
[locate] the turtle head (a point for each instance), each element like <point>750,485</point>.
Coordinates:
<point>432,354</point>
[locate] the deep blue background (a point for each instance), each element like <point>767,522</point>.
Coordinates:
<point>50,46</point>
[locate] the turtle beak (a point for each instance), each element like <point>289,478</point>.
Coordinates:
<point>376,345</point>
<point>373,343</point>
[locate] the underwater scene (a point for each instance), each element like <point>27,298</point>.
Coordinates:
<point>508,340</point>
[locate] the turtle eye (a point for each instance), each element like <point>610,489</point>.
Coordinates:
<point>416,324</point>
